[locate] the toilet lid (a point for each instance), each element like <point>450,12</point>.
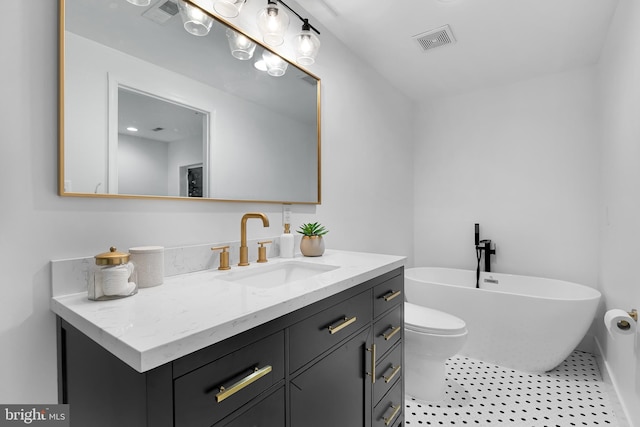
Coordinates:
<point>427,320</point>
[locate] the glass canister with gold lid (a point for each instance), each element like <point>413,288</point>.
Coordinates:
<point>112,277</point>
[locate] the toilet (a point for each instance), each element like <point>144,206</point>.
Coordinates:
<point>431,337</point>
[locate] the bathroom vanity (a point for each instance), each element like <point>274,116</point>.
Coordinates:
<point>214,349</point>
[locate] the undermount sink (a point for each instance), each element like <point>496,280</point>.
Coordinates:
<point>273,275</point>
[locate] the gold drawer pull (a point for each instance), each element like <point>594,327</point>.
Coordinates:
<point>346,322</point>
<point>394,331</point>
<point>395,371</point>
<point>373,363</point>
<point>391,295</point>
<point>253,377</point>
<point>396,409</point>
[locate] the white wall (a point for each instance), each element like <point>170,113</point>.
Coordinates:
<point>620,206</point>
<point>367,203</point>
<point>521,160</point>
<point>143,166</point>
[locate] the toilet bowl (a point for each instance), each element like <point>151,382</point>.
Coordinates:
<point>431,337</point>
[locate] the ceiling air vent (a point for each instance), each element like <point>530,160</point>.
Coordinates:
<point>435,38</point>
<point>162,11</point>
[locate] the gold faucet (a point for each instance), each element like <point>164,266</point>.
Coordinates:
<point>244,250</point>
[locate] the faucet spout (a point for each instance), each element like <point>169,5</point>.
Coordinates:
<point>244,250</point>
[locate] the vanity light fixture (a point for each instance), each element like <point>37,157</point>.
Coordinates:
<point>241,46</point>
<point>306,44</point>
<point>195,21</point>
<point>272,23</point>
<point>229,8</point>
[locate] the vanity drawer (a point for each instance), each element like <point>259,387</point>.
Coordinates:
<point>388,330</point>
<point>312,336</point>
<point>389,411</point>
<point>388,371</point>
<point>270,412</point>
<point>388,294</point>
<point>210,393</point>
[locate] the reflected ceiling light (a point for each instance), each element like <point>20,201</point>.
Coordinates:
<point>272,23</point>
<point>132,129</point>
<point>195,21</point>
<point>276,66</point>
<point>140,2</point>
<point>260,65</point>
<point>241,46</point>
<point>229,8</point>
<point>306,45</point>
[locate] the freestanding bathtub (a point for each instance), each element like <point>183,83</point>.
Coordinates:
<point>519,322</point>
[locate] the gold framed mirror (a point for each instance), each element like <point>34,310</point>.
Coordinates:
<point>148,110</point>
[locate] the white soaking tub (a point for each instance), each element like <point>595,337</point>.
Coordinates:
<point>525,323</point>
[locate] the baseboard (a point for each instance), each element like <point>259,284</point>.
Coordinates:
<point>608,378</point>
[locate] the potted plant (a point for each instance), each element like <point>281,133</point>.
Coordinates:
<point>312,243</point>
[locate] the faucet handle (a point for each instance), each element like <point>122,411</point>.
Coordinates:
<point>262,250</point>
<point>224,257</point>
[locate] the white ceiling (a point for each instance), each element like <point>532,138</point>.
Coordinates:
<point>498,41</point>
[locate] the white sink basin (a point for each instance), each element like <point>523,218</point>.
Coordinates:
<point>273,275</point>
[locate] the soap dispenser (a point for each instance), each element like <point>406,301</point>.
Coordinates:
<point>287,248</point>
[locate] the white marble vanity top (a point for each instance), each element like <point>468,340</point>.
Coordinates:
<point>192,311</point>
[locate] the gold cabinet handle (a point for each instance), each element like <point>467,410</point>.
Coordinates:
<point>396,409</point>
<point>391,295</point>
<point>373,363</point>
<point>251,378</point>
<point>388,336</point>
<point>394,372</point>
<point>346,322</point>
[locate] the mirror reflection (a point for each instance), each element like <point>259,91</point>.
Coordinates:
<point>159,147</point>
<point>208,123</point>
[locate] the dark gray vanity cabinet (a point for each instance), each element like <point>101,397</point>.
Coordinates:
<point>337,362</point>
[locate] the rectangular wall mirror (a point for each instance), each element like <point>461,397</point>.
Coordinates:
<point>150,110</point>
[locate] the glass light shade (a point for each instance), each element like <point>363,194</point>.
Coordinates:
<point>272,23</point>
<point>140,2</point>
<point>276,66</point>
<point>306,45</point>
<point>241,46</point>
<point>195,21</point>
<point>229,8</point>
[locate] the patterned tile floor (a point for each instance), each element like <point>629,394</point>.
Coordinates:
<point>480,394</point>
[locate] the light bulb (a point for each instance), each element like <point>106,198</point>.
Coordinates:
<point>306,45</point>
<point>272,23</point>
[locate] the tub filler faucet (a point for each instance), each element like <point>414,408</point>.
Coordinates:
<point>483,246</point>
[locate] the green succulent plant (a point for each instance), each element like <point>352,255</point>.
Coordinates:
<point>312,229</point>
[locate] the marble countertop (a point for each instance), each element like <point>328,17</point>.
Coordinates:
<point>191,311</point>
